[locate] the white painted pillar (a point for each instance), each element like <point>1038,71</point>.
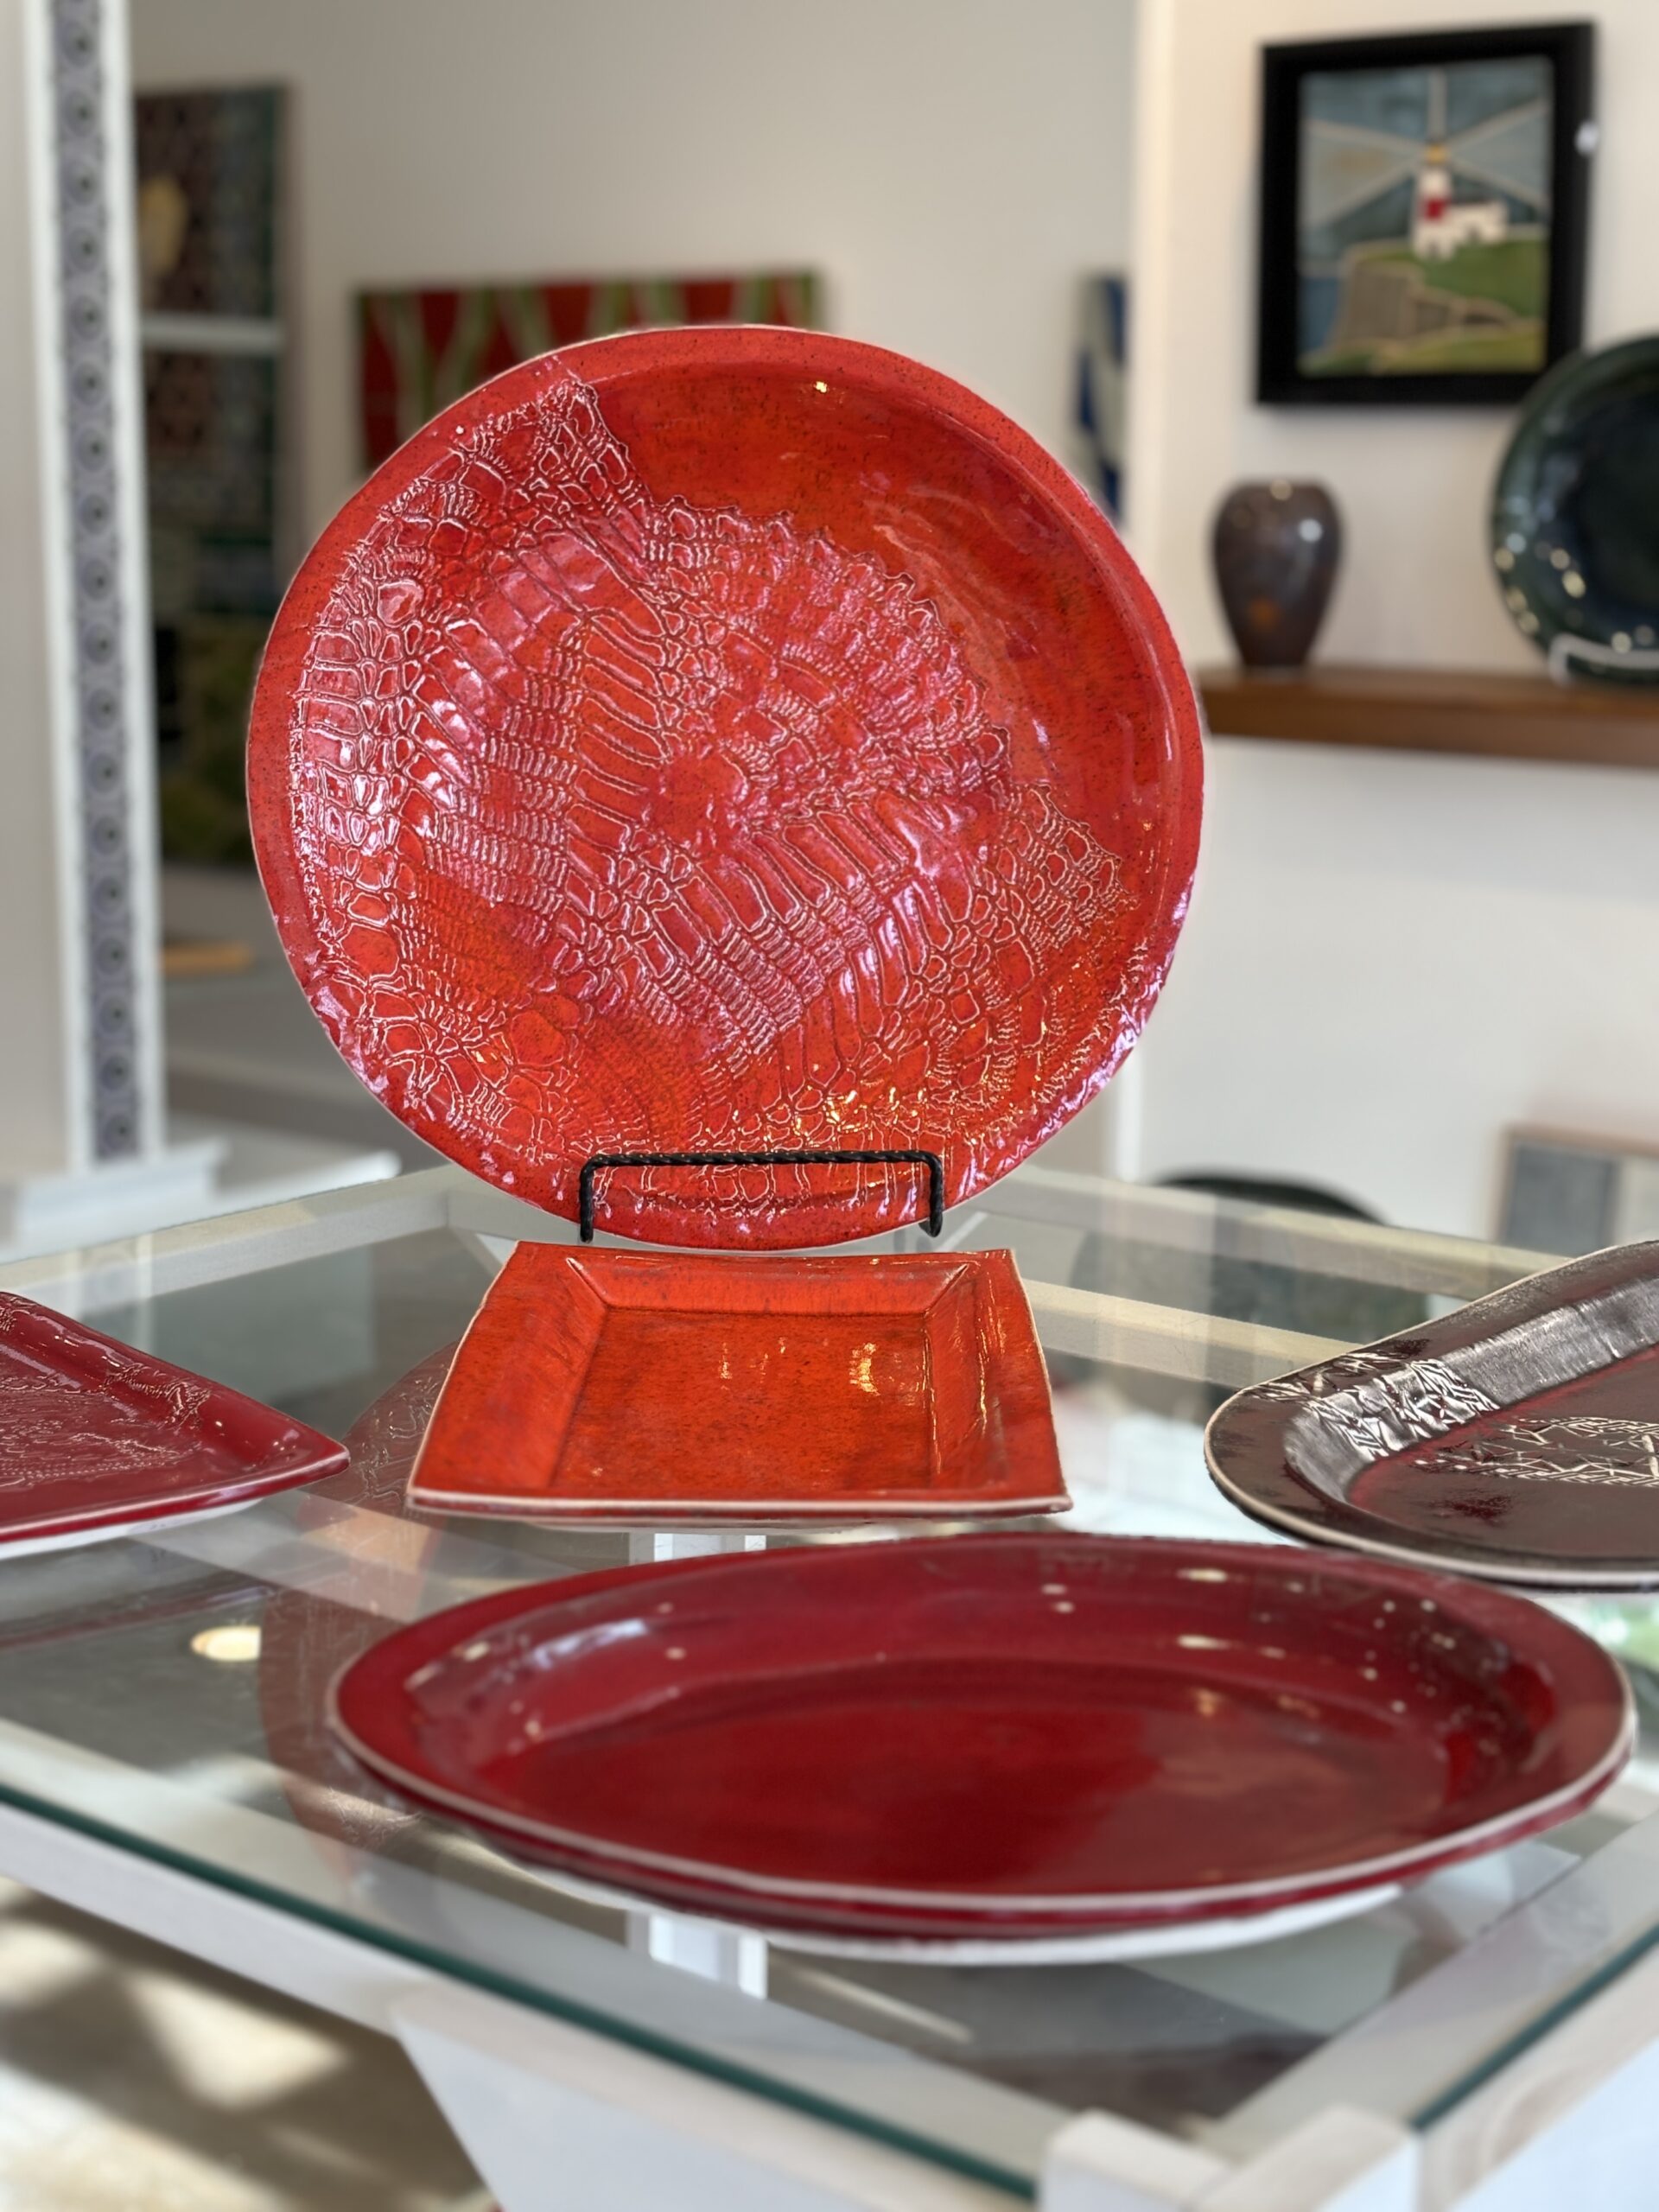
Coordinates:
<point>37,938</point>
<point>82,1138</point>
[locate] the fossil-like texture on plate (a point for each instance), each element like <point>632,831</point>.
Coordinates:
<point>96,1436</point>
<point>726,740</point>
<point>1517,1437</point>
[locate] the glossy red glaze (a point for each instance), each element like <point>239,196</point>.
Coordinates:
<point>1553,1480</point>
<point>645,1387</point>
<point>994,1735</point>
<point>726,739</point>
<point>95,1436</point>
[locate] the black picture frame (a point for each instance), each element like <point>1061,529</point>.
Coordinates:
<point>1569,48</point>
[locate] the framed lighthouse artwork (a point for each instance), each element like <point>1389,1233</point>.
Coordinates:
<point>1424,204</point>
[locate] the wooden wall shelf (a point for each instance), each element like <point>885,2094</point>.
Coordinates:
<point>1437,711</point>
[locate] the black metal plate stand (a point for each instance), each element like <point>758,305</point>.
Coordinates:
<point>601,1161</point>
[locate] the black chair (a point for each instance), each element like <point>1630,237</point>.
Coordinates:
<point>1240,1288</point>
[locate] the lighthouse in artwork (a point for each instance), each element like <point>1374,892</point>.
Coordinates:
<point>1439,225</point>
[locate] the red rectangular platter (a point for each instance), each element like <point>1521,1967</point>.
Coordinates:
<point>648,1387</point>
<point>98,1438</point>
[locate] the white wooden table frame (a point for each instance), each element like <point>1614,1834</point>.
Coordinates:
<point>560,2117</point>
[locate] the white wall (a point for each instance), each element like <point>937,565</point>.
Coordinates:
<point>1412,483</point>
<point>952,166</point>
<point>1390,958</point>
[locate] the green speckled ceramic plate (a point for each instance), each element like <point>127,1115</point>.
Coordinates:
<point>1575,516</point>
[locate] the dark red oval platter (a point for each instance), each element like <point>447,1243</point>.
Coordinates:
<point>994,1737</point>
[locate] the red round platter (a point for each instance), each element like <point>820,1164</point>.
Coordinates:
<point>994,1737</point>
<point>726,739</point>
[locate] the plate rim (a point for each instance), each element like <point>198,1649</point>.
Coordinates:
<point>1038,1944</point>
<point>1085,1946</point>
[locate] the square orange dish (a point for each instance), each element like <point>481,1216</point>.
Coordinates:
<point>651,1388</point>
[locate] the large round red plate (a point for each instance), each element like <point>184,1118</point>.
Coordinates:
<point>994,1737</point>
<point>726,739</point>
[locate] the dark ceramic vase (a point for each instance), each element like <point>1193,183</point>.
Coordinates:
<point>1276,548</point>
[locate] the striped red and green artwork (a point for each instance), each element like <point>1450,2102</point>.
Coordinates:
<point>421,349</point>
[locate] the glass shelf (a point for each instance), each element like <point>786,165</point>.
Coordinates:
<point>168,1696</point>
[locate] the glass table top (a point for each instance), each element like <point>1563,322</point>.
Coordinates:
<point>167,1694</point>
